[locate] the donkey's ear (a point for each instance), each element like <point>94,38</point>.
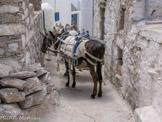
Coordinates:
<point>52,34</point>
<point>42,33</point>
<point>45,31</point>
<point>54,28</point>
<point>61,31</point>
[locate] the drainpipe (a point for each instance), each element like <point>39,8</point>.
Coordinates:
<point>146,10</point>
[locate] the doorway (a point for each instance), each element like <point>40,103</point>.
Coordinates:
<point>74,19</point>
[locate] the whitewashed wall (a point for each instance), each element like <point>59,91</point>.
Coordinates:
<point>86,15</point>
<point>51,2</point>
<point>48,18</point>
<point>76,3</point>
<point>63,7</point>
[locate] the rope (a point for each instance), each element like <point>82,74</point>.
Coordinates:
<point>95,58</point>
<point>91,56</point>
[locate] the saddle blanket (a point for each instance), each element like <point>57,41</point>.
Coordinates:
<point>70,47</point>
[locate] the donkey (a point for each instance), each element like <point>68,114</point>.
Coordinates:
<point>92,59</point>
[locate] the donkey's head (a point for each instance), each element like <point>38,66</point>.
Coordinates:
<point>47,41</point>
<point>50,39</point>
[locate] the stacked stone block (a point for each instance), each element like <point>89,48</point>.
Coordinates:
<point>19,31</point>
<point>24,88</point>
<point>37,4</point>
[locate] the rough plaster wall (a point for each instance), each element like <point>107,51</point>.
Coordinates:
<point>155,5</point>
<point>111,16</point>
<point>96,18</point>
<point>152,58</point>
<point>142,68</point>
<point>140,82</point>
<point>115,37</point>
<point>139,10</point>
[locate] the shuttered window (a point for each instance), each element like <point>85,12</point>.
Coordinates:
<point>57,16</point>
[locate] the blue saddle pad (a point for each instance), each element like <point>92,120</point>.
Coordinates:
<point>65,33</point>
<point>78,39</point>
<point>76,46</point>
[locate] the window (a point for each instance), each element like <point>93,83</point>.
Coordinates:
<point>57,16</point>
<point>74,18</point>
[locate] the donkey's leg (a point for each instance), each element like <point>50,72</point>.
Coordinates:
<point>95,79</point>
<point>74,74</point>
<point>58,65</point>
<point>42,59</point>
<point>68,73</point>
<point>66,66</point>
<point>99,73</point>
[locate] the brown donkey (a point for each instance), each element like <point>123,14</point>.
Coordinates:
<point>92,59</point>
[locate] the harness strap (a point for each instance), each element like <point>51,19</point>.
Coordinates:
<point>55,42</point>
<point>91,56</point>
<point>91,62</point>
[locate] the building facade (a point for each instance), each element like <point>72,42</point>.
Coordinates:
<point>69,11</point>
<point>61,12</point>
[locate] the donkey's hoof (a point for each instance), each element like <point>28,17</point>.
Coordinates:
<point>99,94</point>
<point>67,85</point>
<point>93,96</point>
<point>73,85</point>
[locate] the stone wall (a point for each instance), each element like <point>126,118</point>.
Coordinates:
<point>154,10</point>
<point>20,39</point>
<point>133,59</point>
<point>141,80</point>
<point>37,4</point>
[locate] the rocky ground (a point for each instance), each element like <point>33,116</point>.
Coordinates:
<point>26,94</point>
<point>75,104</point>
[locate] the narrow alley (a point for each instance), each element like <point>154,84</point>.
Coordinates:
<point>77,106</point>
